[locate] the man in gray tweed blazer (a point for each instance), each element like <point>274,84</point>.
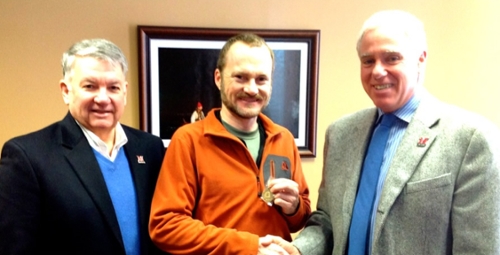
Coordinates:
<point>439,186</point>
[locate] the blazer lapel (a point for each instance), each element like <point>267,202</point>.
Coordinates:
<point>142,169</point>
<point>82,159</point>
<point>137,162</point>
<point>359,137</point>
<point>418,138</point>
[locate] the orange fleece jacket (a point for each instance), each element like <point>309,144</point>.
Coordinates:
<point>206,199</point>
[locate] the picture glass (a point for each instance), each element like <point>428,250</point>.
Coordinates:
<point>185,76</point>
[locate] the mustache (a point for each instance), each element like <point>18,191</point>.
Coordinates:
<point>243,95</point>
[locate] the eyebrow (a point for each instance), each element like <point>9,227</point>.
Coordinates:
<point>97,80</point>
<point>88,79</point>
<point>364,55</point>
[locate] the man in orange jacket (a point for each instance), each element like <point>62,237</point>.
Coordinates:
<point>229,180</point>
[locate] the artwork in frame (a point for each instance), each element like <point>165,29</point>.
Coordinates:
<point>176,67</point>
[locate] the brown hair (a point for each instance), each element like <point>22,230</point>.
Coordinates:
<point>250,39</point>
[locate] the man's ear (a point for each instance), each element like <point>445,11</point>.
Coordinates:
<point>218,78</point>
<point>65,89</point>
<point>125,87</point>
<point>422,58</point>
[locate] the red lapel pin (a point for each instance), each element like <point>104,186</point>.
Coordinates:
<point>422,142</point>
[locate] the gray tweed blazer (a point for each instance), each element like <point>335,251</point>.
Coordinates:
<point>439,198</point>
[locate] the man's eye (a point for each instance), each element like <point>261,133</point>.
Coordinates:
<point>239,77</point>
<point>87,86</point>
<point>393,59</point>
<point>261,80</point>
<point>367,62</point>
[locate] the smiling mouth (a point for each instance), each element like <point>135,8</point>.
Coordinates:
<point>101,112</point>
<point>382,86</point>
<point>250,99</point>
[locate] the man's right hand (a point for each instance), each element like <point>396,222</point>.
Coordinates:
<point>273,241</point>
<point>267,247</point>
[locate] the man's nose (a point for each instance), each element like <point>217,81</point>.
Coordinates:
<point>379,70</point>
<point>251,87</point>
<point>102,96</point>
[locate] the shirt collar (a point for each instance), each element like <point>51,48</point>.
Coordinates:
<point>406,112</point>
<point>100,146</point>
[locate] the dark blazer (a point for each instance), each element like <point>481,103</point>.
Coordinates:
<point>53,197</point>
<point>441,195</point>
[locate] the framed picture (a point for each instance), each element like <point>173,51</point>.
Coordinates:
<point>176,76</point>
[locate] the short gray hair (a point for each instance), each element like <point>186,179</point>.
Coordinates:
<point>400,21</point>
<point>101,49</point>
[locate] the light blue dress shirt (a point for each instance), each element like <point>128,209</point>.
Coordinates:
<point>404,116</point>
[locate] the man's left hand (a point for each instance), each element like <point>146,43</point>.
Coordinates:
<point>286,194</point>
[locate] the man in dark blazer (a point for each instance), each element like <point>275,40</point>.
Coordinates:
<point>82,185</point>
<point>438,190</point>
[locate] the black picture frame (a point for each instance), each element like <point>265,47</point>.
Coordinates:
<point>187,56</point>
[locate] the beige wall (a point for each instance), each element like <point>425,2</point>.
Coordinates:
<point>463,57</point>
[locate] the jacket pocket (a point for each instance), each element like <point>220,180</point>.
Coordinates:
<point>427,184</point>
<point>281,166</point>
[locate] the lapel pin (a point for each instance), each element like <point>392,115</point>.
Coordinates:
<point>422,142</point>
<point>140,159</point>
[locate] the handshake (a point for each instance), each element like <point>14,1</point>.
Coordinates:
<point>269,245</point>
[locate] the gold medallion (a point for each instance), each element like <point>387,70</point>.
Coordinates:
<point>268,196</point>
